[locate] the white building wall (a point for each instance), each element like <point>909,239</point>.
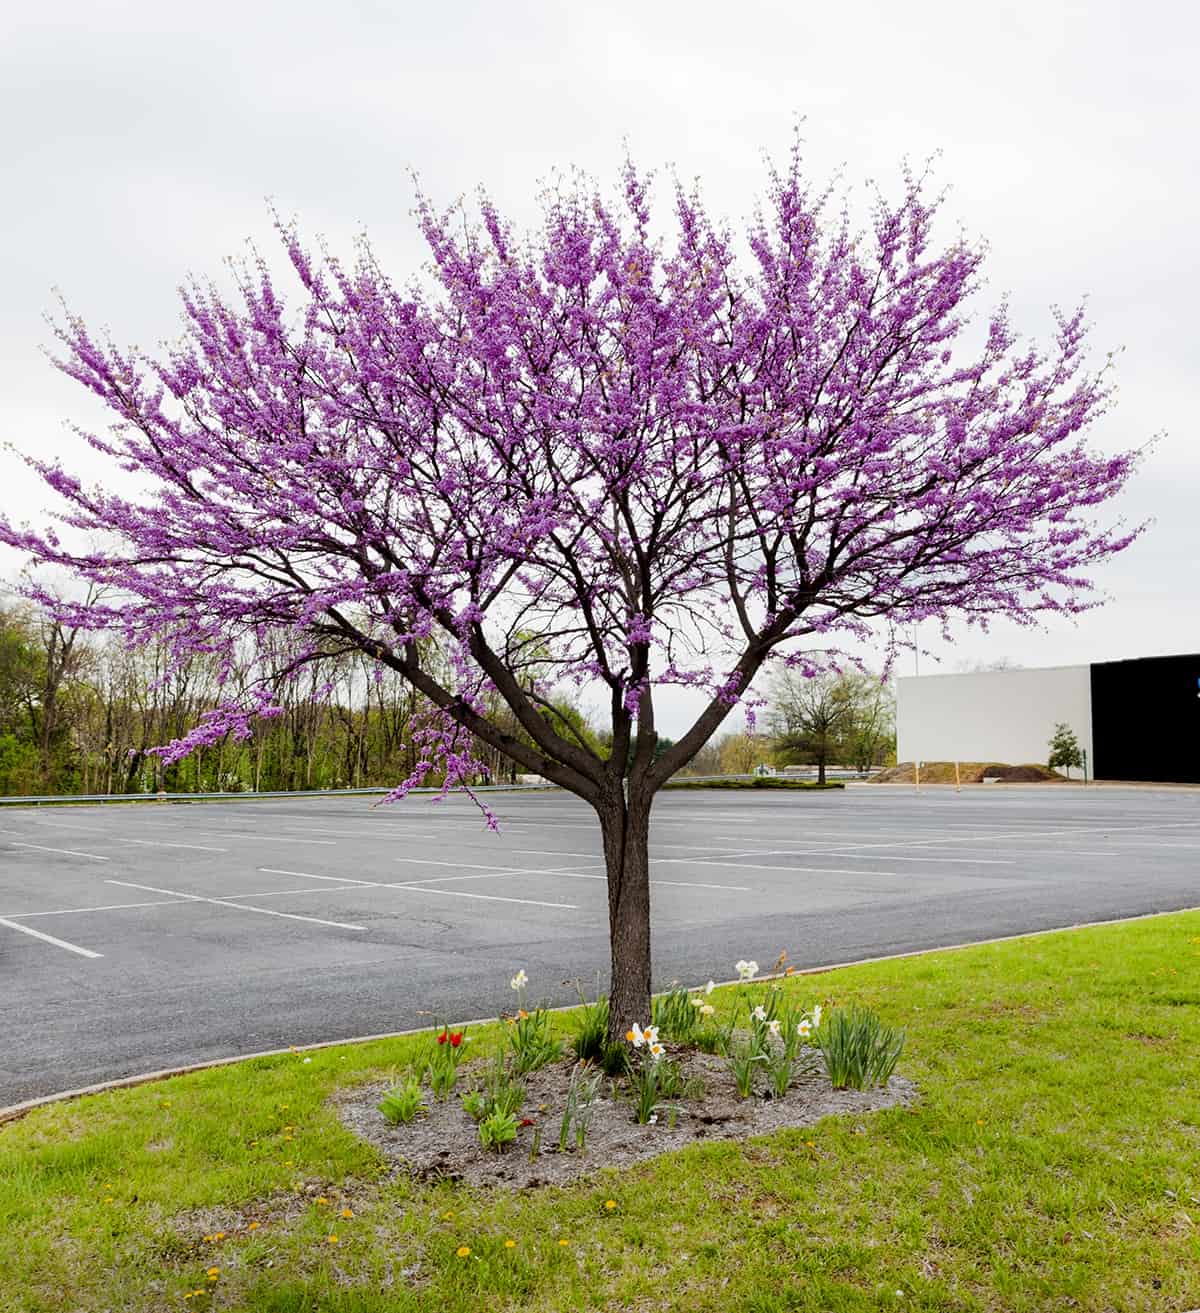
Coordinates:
<point>1001,716</point>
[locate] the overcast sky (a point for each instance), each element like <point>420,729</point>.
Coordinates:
<point>140,141</point>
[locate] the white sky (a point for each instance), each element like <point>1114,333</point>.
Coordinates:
<point>140,139</point>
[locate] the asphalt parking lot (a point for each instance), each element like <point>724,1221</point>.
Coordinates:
<point>140,937</point>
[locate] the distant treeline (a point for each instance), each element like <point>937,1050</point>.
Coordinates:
<point>80,713</point>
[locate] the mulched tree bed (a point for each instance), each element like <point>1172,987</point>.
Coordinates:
<point>445,1145</point>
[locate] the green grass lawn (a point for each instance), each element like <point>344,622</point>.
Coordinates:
<point>1053,1162</point>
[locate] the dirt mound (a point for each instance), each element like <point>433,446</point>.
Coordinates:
<point>969,772</point>
<point>1020,774</point>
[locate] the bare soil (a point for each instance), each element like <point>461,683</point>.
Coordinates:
<point>445,1143</point>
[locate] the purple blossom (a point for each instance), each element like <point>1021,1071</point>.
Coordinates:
<point>593,456</point>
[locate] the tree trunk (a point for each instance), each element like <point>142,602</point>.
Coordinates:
<point>820,770</point>
<point>626,830</point>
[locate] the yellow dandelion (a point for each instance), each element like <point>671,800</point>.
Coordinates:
<point>212,1273</point>
<point>347,1212</point>
<point>510,1244</point>
<point>220,1235</point>
<point>253,1226</point>
<point>463,1250</point>
<point>610,1204</point>
<point>446,1217</point>
<point>333,1240</point>
<point>321,1199</point>
<point>564,1243</point>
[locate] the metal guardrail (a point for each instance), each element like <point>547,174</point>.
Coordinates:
<point>243,795</point>
<point>838,773</point>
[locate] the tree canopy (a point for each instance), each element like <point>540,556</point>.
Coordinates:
<point>670,456</point>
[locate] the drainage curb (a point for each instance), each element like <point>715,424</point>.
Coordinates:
<point>17,1110</point>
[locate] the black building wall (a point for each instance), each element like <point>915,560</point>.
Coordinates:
<point>1146,719</point>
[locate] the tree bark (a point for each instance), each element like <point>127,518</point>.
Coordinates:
<point>820,770</point>
<point>625,826</point>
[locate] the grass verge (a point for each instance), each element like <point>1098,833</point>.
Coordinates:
<point>1053,1162</point>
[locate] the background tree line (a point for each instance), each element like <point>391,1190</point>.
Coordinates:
<point>80,715</point>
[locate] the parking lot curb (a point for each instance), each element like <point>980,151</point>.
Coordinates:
<point>18,1110</point>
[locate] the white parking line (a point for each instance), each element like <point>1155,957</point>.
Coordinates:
<point>49,939</point>
<point>245,907</point>
<point>553,852</point>
<point>270,838</point>
<point>418,885</point>
<point>490,875</point>
<point>120,838</point>
<point>491,898</point>
<point>167,902</point>
<point>102,907</point>
<point>781,870</point>
<point>69,852</point>
<point>1121,844</point>
<point>893,857</point>
<point>158,843</point>
<point>560,873</point>
<point>307,875</point>
<point>780,852</point>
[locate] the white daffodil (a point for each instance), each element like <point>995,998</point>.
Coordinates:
<point>804,1028</point>
<point>636,1036</point>
<point>707,1010</point>
<point>759,1013</point>
<point>696,1001</point>
<point>746,970</point>
<point>520,980</point>
<point>653,1119</point>
<point>651,1034</point>
<point>656,1050</point>
<point>708,989</point>
<point>773,1026</point>
<point>816,1016</point>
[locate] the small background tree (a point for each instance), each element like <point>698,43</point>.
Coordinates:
<point>811,718</point>
<point>1065,751</point>
<point>670,455</point>
<point>870,737</point>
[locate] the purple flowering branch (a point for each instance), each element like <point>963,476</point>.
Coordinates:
<point>606,455</point>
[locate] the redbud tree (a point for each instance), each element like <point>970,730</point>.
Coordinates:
<point>609,455</point>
